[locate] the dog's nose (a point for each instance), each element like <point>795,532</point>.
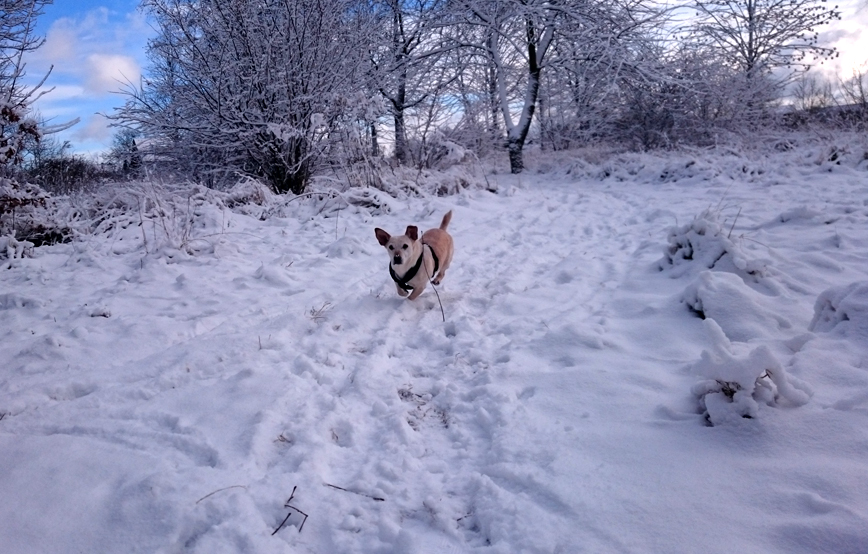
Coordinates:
<point>397,259</point>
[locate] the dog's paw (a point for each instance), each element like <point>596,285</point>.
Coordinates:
<point>436,281</point>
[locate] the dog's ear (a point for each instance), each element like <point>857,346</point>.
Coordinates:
<point>382,236</point>
<point>412,232</point>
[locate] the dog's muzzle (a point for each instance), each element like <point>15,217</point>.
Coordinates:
<point>396,260</point>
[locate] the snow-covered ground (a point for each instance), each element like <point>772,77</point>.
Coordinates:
<point>167,383</point>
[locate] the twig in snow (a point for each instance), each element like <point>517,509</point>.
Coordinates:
<point>220,490</point>
<point>286,505</point>
<point>377,498</point>
<point>733,223</point>
<point>319,314</point>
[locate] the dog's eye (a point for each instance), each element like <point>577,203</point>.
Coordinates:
<point>391,247</point>
<point>404,247</point>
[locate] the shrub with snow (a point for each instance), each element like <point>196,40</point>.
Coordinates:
<point>735,385</point>
<point>704,244</point>
<point>28,213</point>
<point>14,249</point>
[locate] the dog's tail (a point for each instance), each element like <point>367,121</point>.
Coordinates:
<point>446,219</point>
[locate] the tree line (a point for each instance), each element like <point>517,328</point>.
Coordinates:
<point>283,89</point>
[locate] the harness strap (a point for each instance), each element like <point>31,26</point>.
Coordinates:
<point>404,282</point>
<point>433,255</point>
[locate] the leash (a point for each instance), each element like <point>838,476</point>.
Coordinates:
<point>431,280</point>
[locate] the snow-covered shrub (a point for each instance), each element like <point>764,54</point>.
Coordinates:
<point>843,309</point>
<point>30,214</point>
<point>248,196</point>
<point>13,249</point>
<point>735,385</point>
<point>15,195</point>
<point>443,153</point>
<point>704,244</point>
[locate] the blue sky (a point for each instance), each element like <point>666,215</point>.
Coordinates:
<point>92,44</point>
<point>95,44</point>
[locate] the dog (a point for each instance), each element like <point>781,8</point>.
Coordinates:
<point>413,262</point>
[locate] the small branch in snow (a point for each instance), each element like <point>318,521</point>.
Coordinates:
<point>733,223</point>
<point>319,314</point>
<point>377,498</point>
<point>286,505</point>
<point>218,490</point>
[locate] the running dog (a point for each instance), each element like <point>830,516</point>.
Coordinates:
<point>413,262</point>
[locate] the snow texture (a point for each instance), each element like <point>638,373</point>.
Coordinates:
<point>193,359</point>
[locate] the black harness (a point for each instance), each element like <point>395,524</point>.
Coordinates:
<point>404,282</point>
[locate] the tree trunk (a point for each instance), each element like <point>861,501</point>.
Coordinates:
<point>516,162</point>
<point>518,134</point>
<point>375,145</point>
<point>400,131</point>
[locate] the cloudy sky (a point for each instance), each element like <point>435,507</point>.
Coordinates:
<point>95,45</point>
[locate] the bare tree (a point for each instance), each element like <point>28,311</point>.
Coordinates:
<point>855,90</point>
<point>757,36</point>
<point>405,57</point>
<point>522,38</point>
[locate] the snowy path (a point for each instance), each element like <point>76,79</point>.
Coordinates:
<point>158,403</point>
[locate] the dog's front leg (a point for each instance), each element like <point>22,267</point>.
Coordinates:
<point>401,292</point>
<point>416,292</point>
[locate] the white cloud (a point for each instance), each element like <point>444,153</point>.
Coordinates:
<point>59,93</point>
<point>60,45</point>
<point>850,37</point>
<point>94,129</point>
<point>93,54</point>
<point>109,72</point>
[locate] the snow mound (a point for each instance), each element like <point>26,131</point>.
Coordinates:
<point>703,244</point>
<point>843,309</point>
<point>346,247</point>
<point>741,312</point>
<point>735,385</point>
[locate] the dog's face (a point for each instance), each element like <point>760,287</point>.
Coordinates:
<point>402,249</point>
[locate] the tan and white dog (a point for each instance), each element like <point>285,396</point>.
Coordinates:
<point>413,262</point>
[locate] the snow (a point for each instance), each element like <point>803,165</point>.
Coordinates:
<point>168,381</point>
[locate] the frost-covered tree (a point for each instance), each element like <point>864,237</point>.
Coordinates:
<point>17,37</point>
<point>249,87</point>
<point>406,55</point>
<point>757,36</point>
<point>523,38</point>
<point>124,153</point>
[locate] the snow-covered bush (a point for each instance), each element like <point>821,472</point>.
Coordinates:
<point>736,384</point>
<point>13,249</point>
<point>29,213</point>
<point>704,244</point>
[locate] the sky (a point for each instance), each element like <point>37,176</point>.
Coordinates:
<point>97,45</point>
<point>94,47</point>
